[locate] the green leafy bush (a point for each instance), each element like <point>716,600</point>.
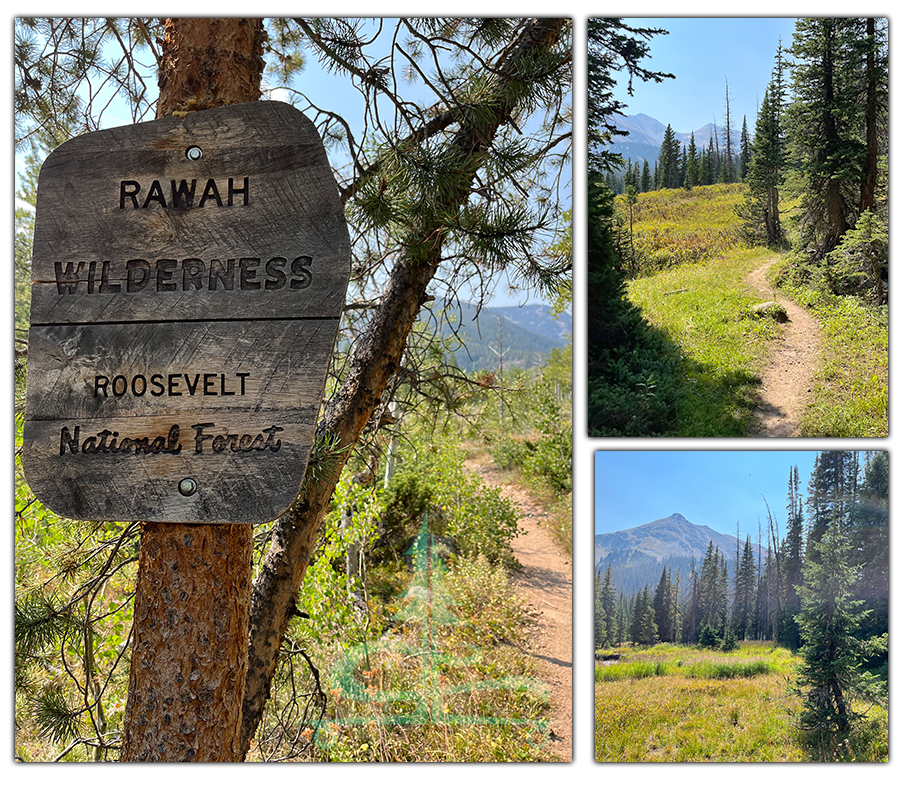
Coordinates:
<point>459,504</point>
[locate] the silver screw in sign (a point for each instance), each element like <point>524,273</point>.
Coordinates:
<point>187,487</point>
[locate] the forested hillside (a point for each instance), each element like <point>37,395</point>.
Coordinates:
<point>348,637</point>
<point>802,193</point>
<point>500,338</point>
<point>820,590</point>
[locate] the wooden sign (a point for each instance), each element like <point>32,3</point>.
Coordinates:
<point>188,280</point>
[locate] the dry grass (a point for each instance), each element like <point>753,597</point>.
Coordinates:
<point>674,717</point>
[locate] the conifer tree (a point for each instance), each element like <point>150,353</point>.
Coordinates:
<point>792,556</point>
<point>832,490</point>
<point>744,593</point>
<point>728,156</point>
<point>669,159</point>
<point>608,604</point>
<point>600,637</point>
<point>828,124</point>
<point>692,165</point>
<point>830,676</point>
<point>713,588</point>
<point>621,621</point>
<point>767,161</point>
<point>706,170</point>
<point>676,607</point>
<point>664,608</point>
<point>646,184</point>
<point>745,149</point>
<point>691,622</point>
<point>644,629</point>
<point>875,81</point>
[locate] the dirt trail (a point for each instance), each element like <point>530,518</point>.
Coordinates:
<point>787,381</point>
<point>546,581</point>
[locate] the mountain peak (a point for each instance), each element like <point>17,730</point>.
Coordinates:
<point>638,554</point>
<point>645,135</point>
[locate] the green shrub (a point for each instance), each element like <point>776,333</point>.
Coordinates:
<point>707,637</point>
<point>459,504</point>
<point>718,670</point>
<point>509,452</point>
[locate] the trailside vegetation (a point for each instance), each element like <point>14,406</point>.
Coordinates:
<point>820,592</point>
<point>451,156</point>
<point>811,185</point>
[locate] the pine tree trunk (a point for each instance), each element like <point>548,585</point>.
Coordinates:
<point>189,657</point>
<point>209,63</point>
<point>192,601</point>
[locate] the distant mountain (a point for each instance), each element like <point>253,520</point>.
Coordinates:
<point>645,135</point>
<point>528,334</point>
<point>638,555</point>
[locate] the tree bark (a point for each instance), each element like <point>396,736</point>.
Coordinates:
<point>375,359</point>
<point>192,600</point>
<point>209,63</point>
<point>189,658</point>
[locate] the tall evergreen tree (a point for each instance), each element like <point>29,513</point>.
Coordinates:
<point>874,83</point>
<point>827,124</point>
<point>765,170</point>
<point>664,608</point>
<point>713,590</point>
<point>646,184</point>
<point>728,155</point>
<point>831,675</point>
<point>705,172</point>
<point>692,165</point>
<point>743,607</point>
<point>832,490</point>
<point>792,555</point>
<point>608,603</point>
<point>600,635</point>
<point>745,149</point>
<point>691,623</point>
<point>669,159</point>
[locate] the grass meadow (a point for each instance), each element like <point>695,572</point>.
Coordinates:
<point>688,272</point>
<point>851,388</point>
<point>703,307</point>
<point>674,703</point>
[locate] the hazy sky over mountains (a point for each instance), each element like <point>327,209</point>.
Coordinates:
<point>716,489</point>
<point>701,53</point>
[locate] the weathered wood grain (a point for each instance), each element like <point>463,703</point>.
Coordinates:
<point>247,467</point>
<point>284,206</point>
<point>202,295</point>
<point>165,368</point>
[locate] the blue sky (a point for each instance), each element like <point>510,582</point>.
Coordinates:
<point>702,52</point>
<point>327,90</point>
<point>710,488</point>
